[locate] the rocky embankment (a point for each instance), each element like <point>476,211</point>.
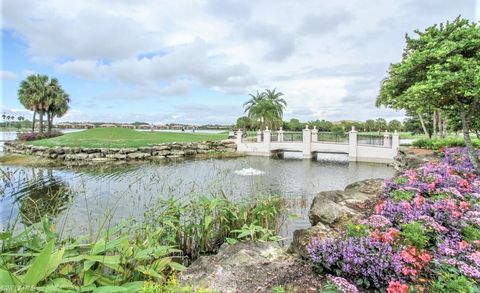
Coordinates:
<point>261,266</point>
<point>156,152</point>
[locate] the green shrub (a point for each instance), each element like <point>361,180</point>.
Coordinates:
<point>415,234</point>
<point>357,230</point>
<point>399,195</point>
<point>437,143</point>
<point>471,233</point>
<point>453,283</point>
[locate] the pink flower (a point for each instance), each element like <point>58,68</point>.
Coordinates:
<point>397,287</point>
<point>425,257</point>
<point>419,200</point>
<point>464,205</point>
<point>379,207</point>
<point>463,245</point>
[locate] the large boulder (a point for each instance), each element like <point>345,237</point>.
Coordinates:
<point>362,191</point>
<point>326,211</point>
<point>250,267</point>
<point>303,237</point>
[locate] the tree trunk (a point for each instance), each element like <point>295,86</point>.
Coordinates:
<point>49,121</point>
<point>33,122</point>
<point>423,125</point>
<point>441,130</point>
<point>468,141</point>
<point>434,124</point>
<point>477,133</point>
<point>40,124</point>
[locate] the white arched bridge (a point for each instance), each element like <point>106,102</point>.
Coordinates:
<point>380,148</point>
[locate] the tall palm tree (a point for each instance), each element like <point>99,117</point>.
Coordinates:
<point>42,95</point>
<point>266,108</point>
<point>57,101</point>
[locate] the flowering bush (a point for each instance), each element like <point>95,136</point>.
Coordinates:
<point>424,233</point>
<point>28,136</point>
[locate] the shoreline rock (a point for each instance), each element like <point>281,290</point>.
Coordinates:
<point>172,150</point>
<point>251,267</point>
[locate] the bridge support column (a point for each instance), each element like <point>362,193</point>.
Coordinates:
<point>386,139</point>
<point>352,144</point>
<point>307,143</point>
<point>259,136</point>
<point>239,137</point>
<point>314,134</point>
<point>395,142</point>
<point>267,137</point>
<point>280,135</point>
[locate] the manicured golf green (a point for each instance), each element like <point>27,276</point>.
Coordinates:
<point>123,138</point>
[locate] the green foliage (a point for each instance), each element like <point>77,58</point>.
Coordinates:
<point>337,129</point>
<point>435,144</point>
<point>202,224</point>
<point>449,280</point>
<point>266,108</point>
<point>122,258</point>
<point>439,70</point>
<point>415,234</point>
<point>471,233</point>
<point>399,195</point>
<point>357,230</point>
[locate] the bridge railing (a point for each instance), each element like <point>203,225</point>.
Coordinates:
<point>374,139</point>
<point>291,136</point>
<point>340,138</point>
<point>252,136</point>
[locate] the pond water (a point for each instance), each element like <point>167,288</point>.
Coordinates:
<point>90,193</point>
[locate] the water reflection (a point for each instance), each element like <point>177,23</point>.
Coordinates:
<point>44,195</point>
<point>84,197</point>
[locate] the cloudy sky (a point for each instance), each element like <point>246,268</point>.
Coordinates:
<point>196,61</point>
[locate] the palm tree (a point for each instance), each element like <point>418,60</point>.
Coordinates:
<point>266,108</point>
<point>57,102</point>
<point>41,94</point>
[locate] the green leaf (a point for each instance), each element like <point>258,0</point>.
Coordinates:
<point>89,277</point>
<point>110,289</point>
<point>177,266</point>
<point>5,235</point>
<point>55,260</point>
<point>133,287</point>
<point>39,268</point>
<point>8,279</point>
<point>111,261</point>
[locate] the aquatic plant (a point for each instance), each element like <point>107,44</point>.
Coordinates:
<point>424,233</point>
<point>121,258</point>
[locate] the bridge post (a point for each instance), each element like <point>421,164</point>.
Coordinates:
<point>280,135</point>
<point>352,144</point>
<point>259,136</point>
<point>314,134</point>
<point>267,137</point>
<point>307,143</point>
<point>395,142</point>
<point>386,139</point>
<point>239,137</point>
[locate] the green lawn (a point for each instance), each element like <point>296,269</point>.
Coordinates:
<point>121,138</point>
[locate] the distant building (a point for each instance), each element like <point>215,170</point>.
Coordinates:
<point>128,126</point>
<point>65,125</point>
<point>144,126</point>
<point>85,125</point>
<point>107,125</point>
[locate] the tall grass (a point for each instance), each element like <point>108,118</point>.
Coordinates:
<point>172,233</point>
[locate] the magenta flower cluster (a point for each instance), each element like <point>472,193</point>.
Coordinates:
<point>428,220</point>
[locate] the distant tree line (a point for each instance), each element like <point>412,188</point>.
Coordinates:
<point>295,124</point>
